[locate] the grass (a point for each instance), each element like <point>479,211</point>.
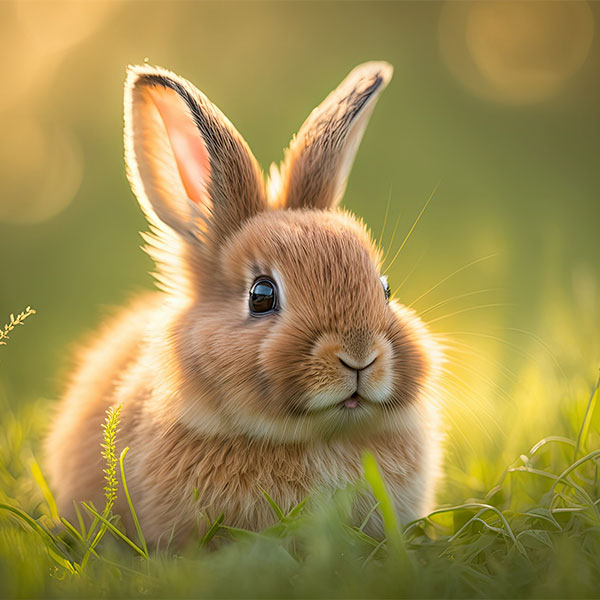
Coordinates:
<point>535,533</point>
<point>13,322</point>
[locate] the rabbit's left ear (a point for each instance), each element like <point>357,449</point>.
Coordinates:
<point>319,159</point>
<point>187,164</point>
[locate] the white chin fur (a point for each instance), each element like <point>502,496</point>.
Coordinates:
<point>329,398</point>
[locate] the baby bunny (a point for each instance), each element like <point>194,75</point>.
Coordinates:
<point>272,356</point>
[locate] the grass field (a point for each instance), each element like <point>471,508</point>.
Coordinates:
<point>534,533</point>
<point>495,106</point>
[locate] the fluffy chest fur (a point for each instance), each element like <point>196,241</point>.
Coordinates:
<point>185,481</point>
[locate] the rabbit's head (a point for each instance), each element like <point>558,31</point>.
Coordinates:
<point>285,330</point>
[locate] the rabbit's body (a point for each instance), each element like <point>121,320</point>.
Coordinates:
<point>180,477</point>
<point>223,394</point>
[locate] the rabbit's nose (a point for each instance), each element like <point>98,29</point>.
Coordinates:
<point>357,365</point>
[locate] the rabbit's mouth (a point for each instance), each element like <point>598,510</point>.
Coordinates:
<point>352,402</point>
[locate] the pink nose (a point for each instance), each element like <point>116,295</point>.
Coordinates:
<point>354,365</point>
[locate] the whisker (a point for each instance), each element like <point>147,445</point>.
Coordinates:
<point>513,347</point>
<point>448,346</point>
<point>471,264</point>
<point>387,210</point>
<point>452,379</point>
<point>460,296</point>
<point>543,344</point>
<point>485,378</point>
<point>393,238</point>
<point>469,309</point>
<point>449,375</point>
<point>412,228</point>
<point>394,295</point>
<point>459,401</point>
<point>481,376</point>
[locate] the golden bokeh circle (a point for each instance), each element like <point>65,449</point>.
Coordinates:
<point>42,169</point>
<point>515,52</point>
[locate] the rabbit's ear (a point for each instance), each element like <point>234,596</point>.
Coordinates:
<point>187,164</point>
<point>319,159</point>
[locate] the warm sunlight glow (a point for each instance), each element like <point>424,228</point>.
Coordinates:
<point>515,52</point>
<point>41,162</point>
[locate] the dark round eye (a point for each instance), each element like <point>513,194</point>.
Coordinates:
<point>386,288</point>
<point>263,296</point>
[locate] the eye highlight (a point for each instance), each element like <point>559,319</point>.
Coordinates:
<point>263,297</point>
<point>386,288</point>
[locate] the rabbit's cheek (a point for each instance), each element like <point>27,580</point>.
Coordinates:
<point>377,383</point>
<point>416,356</point>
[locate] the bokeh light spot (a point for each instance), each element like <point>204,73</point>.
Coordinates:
<point>41,169</point>
<point>515,52</point>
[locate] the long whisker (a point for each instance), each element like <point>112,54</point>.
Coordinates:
<point>391,243</point>
<point>471,264</point>
<point>452,379</point>
<point>412,228</point>
<point>543,344</point>
<point>467,366</point>
<point>489,336</point>
<point>387,210</point>
<point>451,346</point>
<point>460,296</point>
<point>471,308</point>
<point>394,295</point>
<point>454,391</point>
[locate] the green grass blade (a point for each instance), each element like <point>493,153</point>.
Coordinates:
<point>385,504</point>
<point>62,561</point>
<point>43,485</point>
<point>368,516</point>
<point>361,535</point>
<point>575,466</point>
<point>212,530</point>
<point>473,505</point>
<point>29,520</point>
<point>551,439</point>
<point>280,514</point>
<point>386,508</point>
<point>78,536</point>
<point>587,418</point>
<point>136,522</point>
<point>374,552</point>
<point>239,533</point>
<point>80,521</point>
<point>294,512</point>
<point>53,546</point>
<point>113,529</point>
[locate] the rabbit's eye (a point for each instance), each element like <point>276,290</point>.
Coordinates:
<point>263,296</point>
<point>386,288</point>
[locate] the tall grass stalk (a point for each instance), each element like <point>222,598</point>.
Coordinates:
<point>109,439</point>
<point>13,322</point>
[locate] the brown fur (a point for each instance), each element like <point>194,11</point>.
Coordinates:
<point>226,403</point>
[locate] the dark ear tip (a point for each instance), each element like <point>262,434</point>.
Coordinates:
<point>379,69</point>
<point>141,75</point>
<point>386,70</point>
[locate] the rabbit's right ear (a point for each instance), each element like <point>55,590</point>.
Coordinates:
<point>187,164</point>
<point>318,161</point>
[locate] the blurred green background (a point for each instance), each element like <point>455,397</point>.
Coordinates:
<point>497,104</point>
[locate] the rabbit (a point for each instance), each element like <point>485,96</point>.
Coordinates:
<point>272,356</point>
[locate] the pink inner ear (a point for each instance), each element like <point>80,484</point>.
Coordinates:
<point>189,150</point>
